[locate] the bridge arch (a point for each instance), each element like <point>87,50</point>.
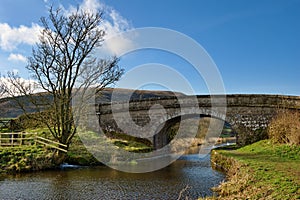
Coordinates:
<point>169,128</point>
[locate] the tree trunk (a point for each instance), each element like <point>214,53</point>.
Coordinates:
<point>59,157</point>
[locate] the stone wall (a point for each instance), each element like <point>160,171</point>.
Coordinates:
<point>145,117</point>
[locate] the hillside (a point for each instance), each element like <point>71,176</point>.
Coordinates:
<point>10,109</point>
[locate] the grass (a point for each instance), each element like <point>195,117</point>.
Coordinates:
<point>263,170</point>
<point>78,154</point>
<point>16,159</point>
<point>132,146</point>
<point>25,158</point>
<point>5,130</point>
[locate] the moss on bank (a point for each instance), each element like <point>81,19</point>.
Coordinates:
<point>79,155</point>
<point>26,158</point>
<point>263,170</point>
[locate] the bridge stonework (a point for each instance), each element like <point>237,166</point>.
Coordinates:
<point>142,118</point>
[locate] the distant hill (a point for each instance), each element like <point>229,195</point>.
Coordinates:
<point>9,108</point>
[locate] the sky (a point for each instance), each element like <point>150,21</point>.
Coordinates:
<point>255,44</point>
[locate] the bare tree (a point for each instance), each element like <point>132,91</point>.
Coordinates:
<point>63,60</point>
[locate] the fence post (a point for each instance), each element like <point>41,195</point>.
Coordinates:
<point>12,139</point>
<point>21,139</point>
<point>35,138</point>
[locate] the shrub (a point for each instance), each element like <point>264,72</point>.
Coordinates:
<point>285,127</point>
<point>29,121</point>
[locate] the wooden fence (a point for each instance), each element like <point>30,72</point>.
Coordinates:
<point>50,143</point>
<point>27,139</point>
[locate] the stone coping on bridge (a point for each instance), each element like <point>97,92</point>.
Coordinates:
<point>276,96</point>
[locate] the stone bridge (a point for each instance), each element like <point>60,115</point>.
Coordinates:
<point>144,118</point>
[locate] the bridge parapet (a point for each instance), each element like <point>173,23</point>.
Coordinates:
<point>235,100</point>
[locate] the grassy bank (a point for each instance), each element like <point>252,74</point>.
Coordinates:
<point>263,170</point>
<point>26,158</point>
<point>32,157</point>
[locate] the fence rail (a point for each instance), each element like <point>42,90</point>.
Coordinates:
<point>27,139</point>
<point>50,143</point>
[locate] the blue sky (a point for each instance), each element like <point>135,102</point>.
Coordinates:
<point>255,44</point>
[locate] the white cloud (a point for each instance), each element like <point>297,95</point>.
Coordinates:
<point>30,85</point>
<point>116,46</point>
<point>87,5</point>
<point>11,37</point>
<point>17,57</point>
<point>90,5</point>
<point>119,22</point>
<point>113,24</point>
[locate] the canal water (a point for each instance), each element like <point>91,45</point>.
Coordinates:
<point>189,177</point>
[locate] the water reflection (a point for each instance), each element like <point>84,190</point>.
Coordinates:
<point>105,183</point>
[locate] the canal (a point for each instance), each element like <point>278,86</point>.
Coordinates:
<point>189,177</point>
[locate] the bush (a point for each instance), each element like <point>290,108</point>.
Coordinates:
<point>285,127</point>
<point>29,121</point>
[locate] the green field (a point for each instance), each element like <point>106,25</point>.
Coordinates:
<point>263,170</point>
